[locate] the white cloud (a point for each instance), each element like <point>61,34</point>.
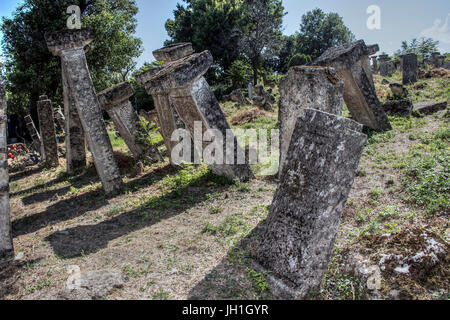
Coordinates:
<point>439,31</point>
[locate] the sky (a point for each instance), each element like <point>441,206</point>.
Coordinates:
<point>399,20</point>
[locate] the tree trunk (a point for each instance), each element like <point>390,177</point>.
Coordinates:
<point>255,72</point>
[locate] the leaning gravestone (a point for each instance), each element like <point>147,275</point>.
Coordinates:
<point>115,101</point>
<point>305,88</point>
<point>6,243</point>
<point>182,84</point>
<point>299,235</point>
<point>410,68</point>
<point>48,133</point>
<point>35,137</point>
<point>69,45</point>
<point>75,139</point>
<point>428,108</point>
<point>351,62</point>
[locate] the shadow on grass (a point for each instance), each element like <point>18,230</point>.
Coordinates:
<point>84,240</point>
<point>77,205</point>
<point>233,278</point>
<point>9,276</point>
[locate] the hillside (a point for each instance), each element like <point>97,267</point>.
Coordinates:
<point>182,233</point>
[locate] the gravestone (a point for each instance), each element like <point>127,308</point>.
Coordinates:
<point>398,90</point>
<point>305,88</point>
<point>48,133</point>
<point>351,62</point>
<point>35,137</point>
<point>399,108</point>
<point>410,68</point>
<point>250,91</point>
<point>6,243</point>
<point>428,108</point>
<point>115,101</point>
<point>74,139</point>
<point>436,61</point>
<point>183,86</point>
<point>386,66</point>
<point>298,238</point>
<point>374,65</point>
<point>60,120</point>
<point>69,45</point>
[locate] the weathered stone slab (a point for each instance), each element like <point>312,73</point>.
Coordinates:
<point>299,235</point>
<point>69,45</point>
<point>398,90</point>
<point>306,88</point>
<point>48,133</point>
<point>428,108</point>
<point>75,139</point>
<point>173,52</point>
<point>410,68</point>
<point>35,136</point>
<point>180,90</point>
<point>60,120</point>
<point>6,243</point>
<point>351,62</point>
<point>399,108</point>
<point>374,65</point>
<point>115,101</point>
<point>387,68</point>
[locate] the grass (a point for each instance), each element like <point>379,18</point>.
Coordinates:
<point>427,172</point>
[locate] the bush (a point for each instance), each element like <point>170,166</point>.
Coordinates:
<point>299,59</point>
<point>239,74</point>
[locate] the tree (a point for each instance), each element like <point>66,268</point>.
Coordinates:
<point>299,59</point>
<point>31,68</point>
<point>261,34</point>
<point>208,25</point>
<point>422,47</point>
<point>320,31</point>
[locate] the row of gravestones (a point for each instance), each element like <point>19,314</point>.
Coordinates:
<point>320,149</point>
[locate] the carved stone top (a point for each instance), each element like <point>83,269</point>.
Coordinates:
<point>374,48</point>
<point>43,98</point>
<point>383,57</point>
<point>344,57</point>
<point>68,39</point>
<point>177,74</point>
<point>115,95</point>
<point>173,52</point>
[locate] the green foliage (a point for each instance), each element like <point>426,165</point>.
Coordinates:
<point>261,35</point>
<point>31,70</point>
<point>422,47</point>
<point>209,25</point>
<point>239,73</point>
<point>320,31</point>
<point>427,172</point>
<point>141,100</point>
<point>299,59</point>
<point>258,280</point>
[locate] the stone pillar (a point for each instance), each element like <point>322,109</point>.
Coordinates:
<point>35,137</point>
<point>351,62</point>
<point>303,88</point>
<point>250,91</point>
<point>6,243</point>
<point>435,59</point>
<point>410,68</point>
<point>374,65</point>
<point>60,120</point>
<point>115,101</point>
<point>386,69</point>
<point>299,235</point>
<point>75,139</point>
<point>69,45</point>
<point>181,85</point>
<point>48,134</point>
